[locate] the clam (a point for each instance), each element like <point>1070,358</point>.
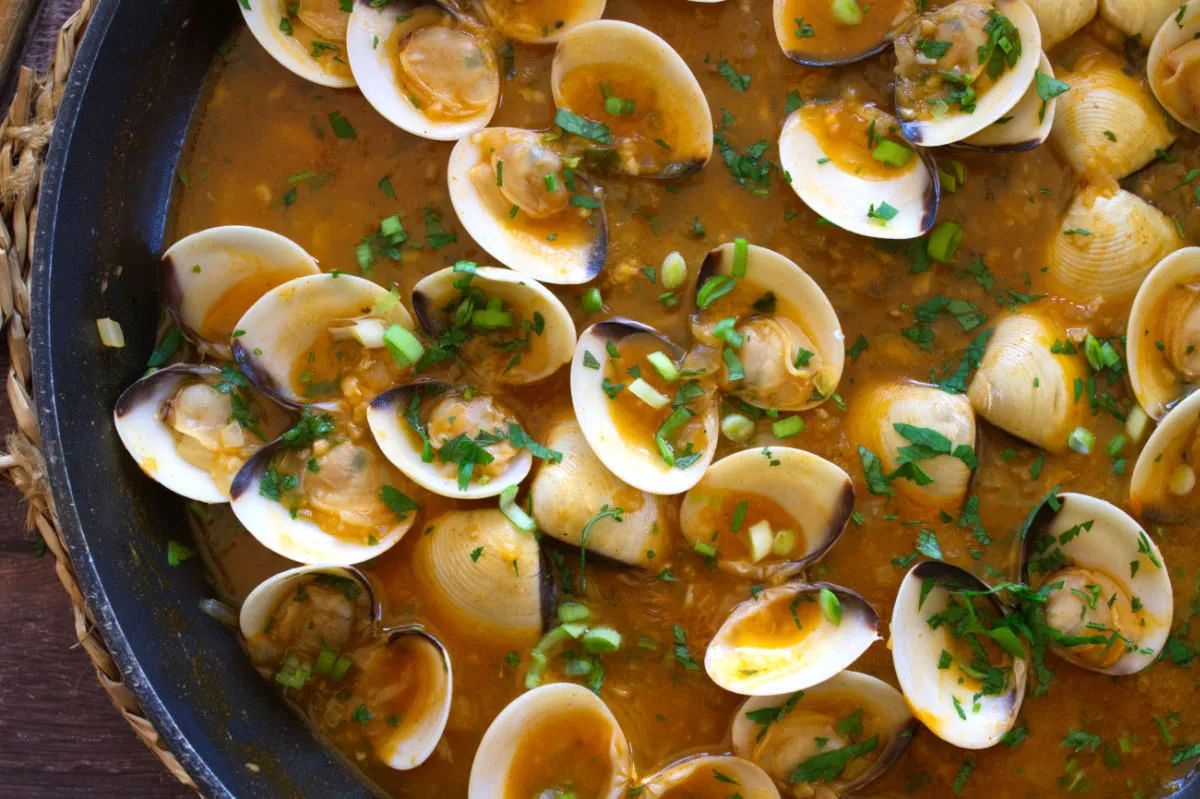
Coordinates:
<point>452,441</point>
<point>1108,125</point>
<point>945,94</point>
<point>789,638</point>
<point>1059,19</point>
<point>656,431</point>
<point>191,428</point>
<point>515,330</point>
<point>767,513</point>
<point>540,21</point>
<point>894,419</point>
<point>315,338</point>
<point>848,162</point>
<point>1162,488</point>
<point>621,86</point>
<point>821,34</point>
<point>427,70</point>
<point>308,37</point>
<point>784,733</point>
<point>211,277</point>
<point>315,629</point>
<point>1108,242</point>
<point>1140,19</point>
<point>567,494</point>
<point>1164,333</point>
<point>517,194</point>
<point>484,575</point>
<point>1026,125</point>
<point>556,739</point>
<point>964,684</point>
<point>1027,388</point>
<point>1108,595</point>
<point>710,777</point>
<point>1173,67</point>
<point>782,334</point>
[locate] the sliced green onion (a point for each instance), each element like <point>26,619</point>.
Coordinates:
<point>601,640</point>
<point>391,226</point>
<point>649,394</point>
<point>892,154</point>
<point>1117,444</point>
<point>340,668</point>
<point>674,271</point>
<point>733,364</point>
<point>1182,481</point>
<point>784,543</point>
<point>510,508</point>
<point>737,427</point>
<point>741,254</point>
<point>761,538</point>
<point>785,428</point>
<point>362,253</point>
<point>1093,350</point>
<point>551,182</point>
<point>492,319</point>
<point>111,334</point>
<point>325,661</point>
<point>402,345</point>
<point>831,607</point>
<point>592,301</point>
<point>573,611</point>
<point>579,667</point>
<point>704,549</point>
<point>944,241</point>
<point>1081,440</point>
<point>847,12</point>
<point>367,332</point>
<point>664,366</point>
<point>1136,423</point>
<point>714,287</point>
<point>386,302</point>
<point>574,629</point>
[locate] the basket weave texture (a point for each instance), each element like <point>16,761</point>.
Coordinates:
<point>24,135</point>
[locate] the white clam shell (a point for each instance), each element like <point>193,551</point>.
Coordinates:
<point>1058,19</point>
<point>495,759</point>
<point>1156,378</point>
<point>815,492</point>
<point>540,21</point>
<point>687,777</point>
<point>1172,36</point>
<point>293,52</point>
<point>930,691</point>
<point>1138,18</point>
<point>200,270</point>
<point>1025,126</point>
<point>1169,447</point>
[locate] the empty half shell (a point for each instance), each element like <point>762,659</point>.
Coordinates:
<point>212,277</point>
<point>428,71</point>
<point>1162,488</point>
<point>307,37</point>
<point>540,21</point>
<point>517,195</point>
<point>768,513</point>
<point>1173,66</point>
<point>789,638</point>
<point>657,98</point>
<point>1109,603</point>
<point>1162,344</point>
<point>709,775</point>
<point>814,33</point>
<point>1026,125</point>
<point>974,698</point>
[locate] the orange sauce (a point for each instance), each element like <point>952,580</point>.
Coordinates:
<point>850,133</point>
<point>785,623</point>
<point>222,317</point>
<point>637,421</point>
<point>735,544</point>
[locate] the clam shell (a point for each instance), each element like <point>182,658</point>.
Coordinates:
<point>222,271</point>
<point>374,42</point>
<point>495,761</point>
<point>930,691</point>
<point>1108,125</point>
<point>609,42</point>
<point>1138,18</point>
<point>565,260</point>
<point>1025,126</point>
<point>816,493</point>
<point>1161,68</point>
<point>284,322</point>
<point>1113,543</point>
<point>1172,445</point>
<point>565,496</point>
<point>746,661</point>
<point>802,50</point>
<point>1126,237</point>
<point>1058,19</point>
<point>884,714</point>
<point>1160,377</point>
<point>1003,390</point>
<point>540,21</point>
<point>260,604</point>
<point>702,775</point>
<point>292,51</point>
<point>465,561</point>
<point>547,351</point>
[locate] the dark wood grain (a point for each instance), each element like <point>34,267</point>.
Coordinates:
<point>60,736</point>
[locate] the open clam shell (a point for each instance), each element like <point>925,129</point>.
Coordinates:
<point>709,775</point>
<point>578,744</point>
<point>928,118</point>
<point>485,576</point>
<point>448,299</point>
<point>1025,388</point>
<point>182,432</point>
<point>540,21</point>
<point>1162,345</point>
<point>783,641</point>
<point>1059,19</point>
<point>404,658</point>
<point>880,418</point>
<point>1173,66</point>
<point>280,328</point>
<point>211,277</point>
<point>768,514</point>
<point>794,350</point>
<point>1025,126</point>
<point>1110,600</point>
<point>1140,19</point>
<point>810,33</point>
<point>640,68</point>
<point>956,706</point>
<point>846,184</point>
<point>566,495</point>
<point>1125,238</point>
<point>780,742</point>
<point>428,71</point>
<point>403,419</point>
<point>308,38</point>
<point>661,450</point>
<point>1162,488</point>
<point>499,181</point>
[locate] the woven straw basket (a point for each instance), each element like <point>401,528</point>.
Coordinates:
<point>24,134</point>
